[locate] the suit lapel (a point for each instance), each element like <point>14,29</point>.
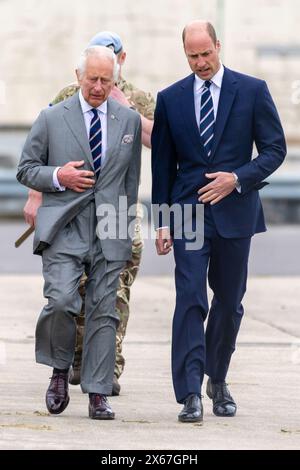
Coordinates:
<point>189,115</point>
<point>75,121</point>
<point>227,95</point>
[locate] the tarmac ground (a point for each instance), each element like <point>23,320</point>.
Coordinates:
<point>264,377</point>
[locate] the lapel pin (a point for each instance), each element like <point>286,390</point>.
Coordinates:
<point>113,116</point>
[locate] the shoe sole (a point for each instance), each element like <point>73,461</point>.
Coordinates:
<point>231,415</point>
<point>191,420</point>
<point>102,417</point>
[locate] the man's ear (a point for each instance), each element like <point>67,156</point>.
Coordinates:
<point>122,58</point>
<point>218,45</point>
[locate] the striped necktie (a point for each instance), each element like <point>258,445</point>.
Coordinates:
<point>96,141</point>
<point>207,118</point>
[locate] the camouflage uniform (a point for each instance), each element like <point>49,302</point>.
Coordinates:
<point>144,103</point>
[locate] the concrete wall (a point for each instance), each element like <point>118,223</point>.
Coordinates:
<point>262,38</point>
<point>41,41</point>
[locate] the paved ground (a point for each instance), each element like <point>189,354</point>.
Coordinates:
<point>264,377</point>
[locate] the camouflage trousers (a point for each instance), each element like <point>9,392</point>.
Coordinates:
<point>126,280</point>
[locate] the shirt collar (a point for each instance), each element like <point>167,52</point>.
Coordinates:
<point>86,107</point>
<point>216,79</point>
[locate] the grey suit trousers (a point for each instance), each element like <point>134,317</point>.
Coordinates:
<point>77,249</point>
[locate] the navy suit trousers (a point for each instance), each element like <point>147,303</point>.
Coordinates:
<point>224,262</point>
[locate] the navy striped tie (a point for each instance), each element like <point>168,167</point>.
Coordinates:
<point>96,141</point>
<point>207,118</point>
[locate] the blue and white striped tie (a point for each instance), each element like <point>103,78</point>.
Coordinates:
<point>96,141</point>
<point>207,118</point>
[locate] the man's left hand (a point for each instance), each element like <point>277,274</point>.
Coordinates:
<point>223,184</point>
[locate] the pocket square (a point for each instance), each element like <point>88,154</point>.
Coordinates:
<point>127,139</point>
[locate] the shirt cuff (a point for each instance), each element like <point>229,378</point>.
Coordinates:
<point>237,183</point>
<point>56,184</point>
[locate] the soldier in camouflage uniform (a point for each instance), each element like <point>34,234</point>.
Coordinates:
<point>144,104</point>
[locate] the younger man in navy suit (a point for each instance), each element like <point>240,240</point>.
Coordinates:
<point>202,144</point>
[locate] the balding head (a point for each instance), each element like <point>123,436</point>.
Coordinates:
<point>201,48</point>
<point>199,26</point>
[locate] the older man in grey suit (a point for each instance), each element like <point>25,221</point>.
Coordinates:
<point>84,155</point>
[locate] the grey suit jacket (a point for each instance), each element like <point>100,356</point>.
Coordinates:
<point>59,136</point>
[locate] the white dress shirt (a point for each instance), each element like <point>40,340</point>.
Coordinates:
<point>215,89</point>
<point>88,116</point>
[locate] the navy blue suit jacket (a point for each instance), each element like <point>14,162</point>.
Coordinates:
<point>246,115</point>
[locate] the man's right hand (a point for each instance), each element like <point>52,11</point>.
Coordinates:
<point>77,180</point>
<point>163,241</point>
<point>32,204</point>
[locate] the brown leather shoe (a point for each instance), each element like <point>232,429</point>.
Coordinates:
<point>57,395</point>
<point>116,388</point>
<point>99,407</point>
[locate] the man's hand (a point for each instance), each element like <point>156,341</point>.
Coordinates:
<point>163,241</point>
<point>32,204</point>
<point>77,180</point>
<point>223,184</point>
<point>119,96</point>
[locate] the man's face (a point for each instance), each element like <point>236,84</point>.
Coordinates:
<point>202,54</point>
<point>97,80</point>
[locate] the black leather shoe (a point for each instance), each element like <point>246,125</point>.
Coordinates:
<point>99,407</point>
<point>57,395</point>
<point>74,376</point>
<point>192,411</point>
<point>223,403</point>
<point>75,371</point>
<point>116,388</point>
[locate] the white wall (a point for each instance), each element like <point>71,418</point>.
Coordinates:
<point>41,40</point>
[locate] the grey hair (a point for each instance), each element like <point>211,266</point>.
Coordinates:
<point>100,51</point>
